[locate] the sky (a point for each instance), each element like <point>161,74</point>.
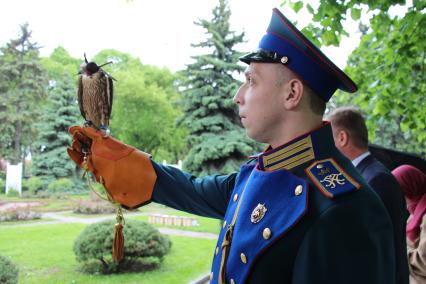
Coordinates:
<point>158,32</point>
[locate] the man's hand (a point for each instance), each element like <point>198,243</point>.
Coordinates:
<point>126,173</point>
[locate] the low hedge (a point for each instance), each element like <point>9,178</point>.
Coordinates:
<point>144,248</point>
<point>8,271</point>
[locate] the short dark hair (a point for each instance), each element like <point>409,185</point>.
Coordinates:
<point>351,120</point>
<point>316,103</point>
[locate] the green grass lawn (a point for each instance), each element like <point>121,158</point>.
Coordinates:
<point>12,223</point>
<point>44,255</point>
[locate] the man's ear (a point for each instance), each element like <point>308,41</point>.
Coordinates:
<point>342,139</point>
<point>294,94</point>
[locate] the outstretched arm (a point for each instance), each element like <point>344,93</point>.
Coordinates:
<point>206,196</point>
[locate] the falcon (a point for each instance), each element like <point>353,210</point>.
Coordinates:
<point>95,94</point>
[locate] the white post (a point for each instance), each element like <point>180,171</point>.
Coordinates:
<point>179,165</point>
<point>14,177</point>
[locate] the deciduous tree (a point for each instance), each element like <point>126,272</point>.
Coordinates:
<point>388,65</point>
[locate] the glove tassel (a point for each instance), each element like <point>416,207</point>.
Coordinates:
<point>118,244</point>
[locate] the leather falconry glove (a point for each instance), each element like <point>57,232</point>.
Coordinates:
<point>126,173</point>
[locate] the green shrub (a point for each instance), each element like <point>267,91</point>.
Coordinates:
<point>12,192</point>
<point>2,185</point>
<point>8,271</point>
<point>60,185</point>
<point>144,248</point>
<point>34,184</point>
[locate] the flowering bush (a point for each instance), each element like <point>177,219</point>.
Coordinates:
<point>18,213</point>
<point>94,207</point>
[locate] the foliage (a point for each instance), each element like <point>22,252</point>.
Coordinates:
<point>12,192</point>
<point>388,65</point>
<point>8,271</point>
<point>2,185</point>
<point>22,88</point>
<point>61,64</point>
<point>217,141</point>
<point>390,93</point>
<point>51,160</point>
<point>327,27</point>
<point>18,213</point>
<point>34,184</point>
<point>144,247</point>
<point>61,185</point>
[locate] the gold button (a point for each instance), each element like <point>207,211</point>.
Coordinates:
<point>235,197</point>
<point>267,233</point>
<point>211,276</point>
<point>298,190</point>
<point>243,258</point>
<point>232,281</point>
<point>217,250</point>
<point>284,59</point>
<point>224,224</point>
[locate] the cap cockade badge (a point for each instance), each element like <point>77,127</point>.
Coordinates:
<point>258,213</point>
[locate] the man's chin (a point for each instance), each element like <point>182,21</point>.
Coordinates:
<point>255,136</point>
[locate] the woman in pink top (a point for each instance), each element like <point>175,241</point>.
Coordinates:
<point>413,184</point>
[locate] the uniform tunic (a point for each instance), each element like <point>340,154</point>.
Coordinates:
<point>299,213</point>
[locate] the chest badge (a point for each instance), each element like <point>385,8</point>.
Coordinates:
<point>258,213</point>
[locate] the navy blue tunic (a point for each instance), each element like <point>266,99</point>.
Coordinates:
<point>299,214</point>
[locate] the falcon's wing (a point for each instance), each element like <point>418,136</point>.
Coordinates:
<point>80,95</point>
<point>109,94</point>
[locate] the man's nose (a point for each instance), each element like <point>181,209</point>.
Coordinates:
<point>238,96</point>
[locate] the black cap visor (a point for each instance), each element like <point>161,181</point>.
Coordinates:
<point>261,55</point>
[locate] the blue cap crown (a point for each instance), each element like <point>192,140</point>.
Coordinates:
<point>285,44</point>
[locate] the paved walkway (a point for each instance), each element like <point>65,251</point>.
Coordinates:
<point>61,218</point>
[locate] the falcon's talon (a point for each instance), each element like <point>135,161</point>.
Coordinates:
<point>88,123</point>
<point>105,130</point>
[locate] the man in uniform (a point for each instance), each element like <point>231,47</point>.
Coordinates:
<point>297,212</point>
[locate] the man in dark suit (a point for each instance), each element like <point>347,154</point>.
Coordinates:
<point>351,138</point>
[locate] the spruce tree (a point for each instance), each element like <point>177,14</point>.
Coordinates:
<point>217,141</point>
<point>23,82</point>
<point>50,158</point>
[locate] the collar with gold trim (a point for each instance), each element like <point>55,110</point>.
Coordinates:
<point>303,149</point>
